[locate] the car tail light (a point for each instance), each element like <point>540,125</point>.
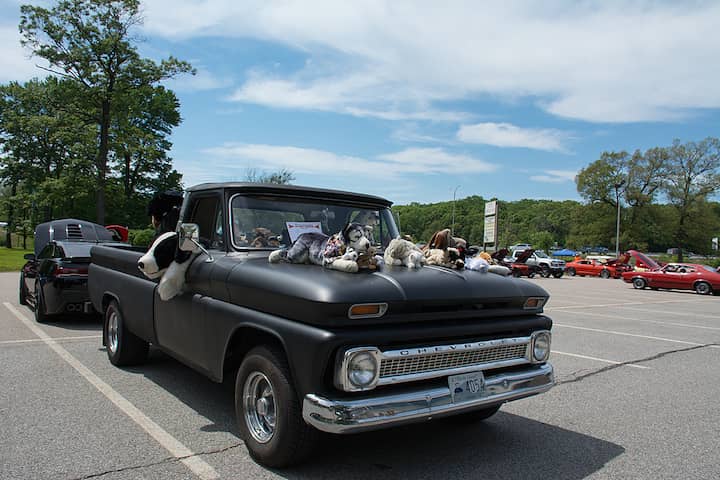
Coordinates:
<point>61,271</point>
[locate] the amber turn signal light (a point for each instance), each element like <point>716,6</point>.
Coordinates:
<point>534,303</point>
<point>367,310</point>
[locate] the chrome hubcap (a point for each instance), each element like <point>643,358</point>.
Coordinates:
<point>112,332</point>
<point>259,406</point>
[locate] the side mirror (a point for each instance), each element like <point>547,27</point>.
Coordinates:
<point>29,256</point>
<point>188,236</point>
<point>188,240</point>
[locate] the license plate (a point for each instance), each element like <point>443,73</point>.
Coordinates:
<point>468,386</point>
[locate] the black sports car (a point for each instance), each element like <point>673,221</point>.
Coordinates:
<point>54,279</point>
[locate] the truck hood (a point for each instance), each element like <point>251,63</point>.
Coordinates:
<point>318,295</point>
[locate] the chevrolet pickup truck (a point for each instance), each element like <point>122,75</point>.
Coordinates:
<point>313,349</point>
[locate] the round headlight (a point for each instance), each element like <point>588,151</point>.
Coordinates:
<point>541,347</point>
<point>362,369</point>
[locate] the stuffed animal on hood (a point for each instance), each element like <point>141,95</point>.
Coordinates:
<point>442,250</point>
<point>370,261</point>
<point>403,252</point>
<point>338,252</point>
<point>166,261</point>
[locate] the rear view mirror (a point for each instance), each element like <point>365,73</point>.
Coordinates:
<point>188,236</point>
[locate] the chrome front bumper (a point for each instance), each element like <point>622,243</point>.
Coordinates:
<point>369,413</point>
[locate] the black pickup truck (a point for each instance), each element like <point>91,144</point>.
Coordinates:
<point>312,349</point>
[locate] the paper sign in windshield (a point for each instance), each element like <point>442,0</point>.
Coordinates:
<point>295,229</point>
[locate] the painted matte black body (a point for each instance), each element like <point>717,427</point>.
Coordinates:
<point>305,307</point>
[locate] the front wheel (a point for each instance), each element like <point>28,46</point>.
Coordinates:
<point>571,271</point>
<point>269,414</point>
<point>558,274</point>
<point>545,271</point>
<point>703,288</point>
<point>605,274</point>
<point>123,347</point>
<point>639,283</point>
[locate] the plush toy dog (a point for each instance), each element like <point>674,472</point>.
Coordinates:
<point>369,260</point>
<point>166,261</point>
<point>442,250</point>
<point>338,252</point>
<point>403,252</point>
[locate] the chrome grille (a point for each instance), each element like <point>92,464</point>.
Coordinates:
<point>434,361</point>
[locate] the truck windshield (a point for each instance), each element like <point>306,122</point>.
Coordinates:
<point>541,254</point>
<point>276,222</point>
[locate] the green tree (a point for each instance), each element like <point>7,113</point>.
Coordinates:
<point>693,175</point>
<point>90,42</point>
<point>281,177</point>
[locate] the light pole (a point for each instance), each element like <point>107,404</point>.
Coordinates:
<point>452,228</point>
<point>618,186</point>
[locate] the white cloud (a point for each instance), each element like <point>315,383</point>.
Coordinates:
<point>555,176</point>
<point>202,80</point>
<point>15,62</point>
<point>508,135</point>
<point>596,61</point>
<point>233,159</point>
<point>436,160</point>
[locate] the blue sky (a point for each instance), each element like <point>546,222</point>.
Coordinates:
<point>415,100</point>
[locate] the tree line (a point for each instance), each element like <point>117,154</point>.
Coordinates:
<point>91,140</point>
<point>664,195</point>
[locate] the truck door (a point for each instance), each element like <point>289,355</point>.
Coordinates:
<point>180,323</point>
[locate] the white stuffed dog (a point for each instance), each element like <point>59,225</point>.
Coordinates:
<point>166,261</point>
<point>403,252</point>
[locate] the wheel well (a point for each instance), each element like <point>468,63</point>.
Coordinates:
<point>702,281</point>
<point>242,341</point>
<point>107,298</point>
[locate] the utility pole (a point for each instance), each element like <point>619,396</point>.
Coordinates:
<point>618,186</point>
<point>452,228</point>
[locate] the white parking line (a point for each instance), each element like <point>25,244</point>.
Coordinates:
<point>673,324</point>
<point>625,334</point>
<point>198,466</point>
<point>613,362</point>
<point>57,339</point>
<point>619,304</point>
<point>679,314</point>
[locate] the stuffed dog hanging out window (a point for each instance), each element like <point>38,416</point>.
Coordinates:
<point>166,261</point>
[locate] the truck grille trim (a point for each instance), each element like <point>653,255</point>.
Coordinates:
<point>419,363</point>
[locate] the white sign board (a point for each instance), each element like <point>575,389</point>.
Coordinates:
<point>295,229</point>
<point>491,208</point>
<point>490,230</point>
<point>715,245</point>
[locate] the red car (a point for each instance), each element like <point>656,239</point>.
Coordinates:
<point>682,276</point>
<point>595,268</point>
<point>518,267</point>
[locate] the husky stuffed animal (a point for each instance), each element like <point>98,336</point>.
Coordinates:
<point>338,252</point>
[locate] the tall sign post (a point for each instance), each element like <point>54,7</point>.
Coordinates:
<point>490,231</point>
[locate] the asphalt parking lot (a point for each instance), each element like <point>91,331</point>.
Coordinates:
<point>637,397</point>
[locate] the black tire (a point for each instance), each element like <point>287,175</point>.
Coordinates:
<point>558,274</point>
<point>571,271</point>
<point>22,295</point>
<point>639,283</point>
<point>516,273</point>
<point>40,315</point>
<point>279,437</point>
<point>605,274</point>
<point>123,347</point>
<point>531,274</point>
<point>703,288</point>
<point>475,415</point>
<point>545,271</point>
